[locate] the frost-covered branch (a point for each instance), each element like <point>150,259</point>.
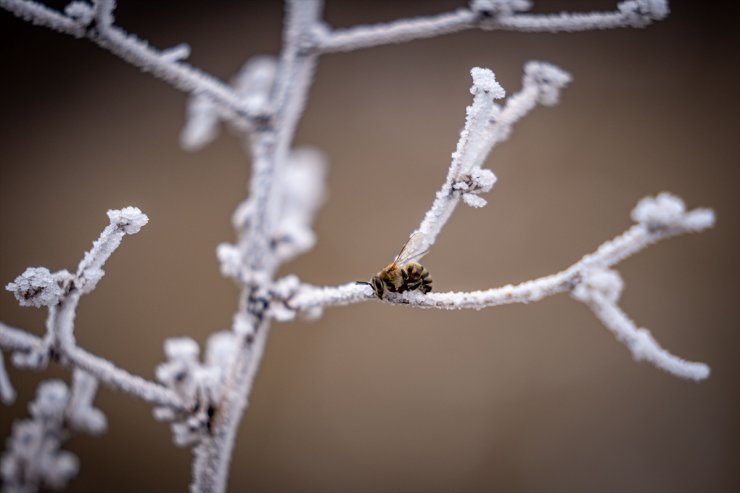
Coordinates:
<point>599,289</point>
<point>95,22</point>
<point>657,218</point>
<point>61,292</point>
<point>486,124</point>
<point>205,399</point>
<point>488,15</point>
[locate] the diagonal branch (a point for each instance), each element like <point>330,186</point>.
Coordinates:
<point>20,341</point>
<point>95,23</point>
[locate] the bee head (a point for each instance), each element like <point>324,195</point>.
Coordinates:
<point>378,286</point>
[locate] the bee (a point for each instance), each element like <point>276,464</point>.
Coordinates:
<point>404,273</point>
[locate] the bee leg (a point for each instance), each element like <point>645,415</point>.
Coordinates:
<point>426,285</point>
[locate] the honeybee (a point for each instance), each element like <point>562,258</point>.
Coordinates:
<point>404,274</point>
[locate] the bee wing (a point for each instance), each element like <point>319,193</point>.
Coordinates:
<point>414,248</point>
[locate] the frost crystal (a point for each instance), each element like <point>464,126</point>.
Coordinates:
<point>606,282</point>
<point>198,385</point>
<point>484,80</point>
<point>659,212</point>
<point>548,78</point>
<point>80,11</point>
<point>230,259</point>
<point>130,219</point>
<point>36,287</point>
<point>490,7</point>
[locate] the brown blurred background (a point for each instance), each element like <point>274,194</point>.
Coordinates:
<point>376,398</point>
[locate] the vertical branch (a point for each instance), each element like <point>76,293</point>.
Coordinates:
<point>270,148</point>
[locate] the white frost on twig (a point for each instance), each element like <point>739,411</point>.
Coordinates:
<point>36,287</point>
<point>198,385</point>
<point>488,15</point>
<point>7,393</point>
<point>599,289</point>
<point>128,220</point>
<point>589,280</point>
<point>486,124</point>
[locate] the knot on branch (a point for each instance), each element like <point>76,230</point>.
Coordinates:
<point>640,13</point>
<point>601,281</point>
<point>484,81</point>
<point>81,12</point>
<point>130,220</point>
<point>548,79</point>
<point>198,385</point>
<point>489,9</point>
<point>667,211</point>
<point>38,287</point>
<point>280,296</point>
<point>473,183</point>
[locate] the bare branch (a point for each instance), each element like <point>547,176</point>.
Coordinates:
<point>610,253</point>
<point>97,26</point>
<point>600,290</point>
<point>17,340</point>
<point>487,15</point>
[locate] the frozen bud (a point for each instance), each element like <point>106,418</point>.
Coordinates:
<point>606,282</point>
<point>51,400</point>
<point>221,349</point>
<point>201,123</point>
<point>282,291</point>
<point>655,9</point>
<point>183,348</point>
<point>491,7</point>
<point>176,53</point>
<point>639,13</point>
<point>254,82</point>
<point>230,259</point>
<point>129,219</point>
<point>36,287</point>
<point>699,219</point>
<point>659,212</point>
<point>474,200</point>
<point>484,80</point>
<point>286,287</point>
<point>82,12</point>
<point>549,80</point>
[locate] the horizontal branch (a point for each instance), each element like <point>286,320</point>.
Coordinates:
<point>487,15</point>
<point>13,339</point>
<point>589,281</point>
<point>610,253</point>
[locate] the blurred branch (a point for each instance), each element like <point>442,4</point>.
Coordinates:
<point>487,15</point>
<point>82,20</point>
